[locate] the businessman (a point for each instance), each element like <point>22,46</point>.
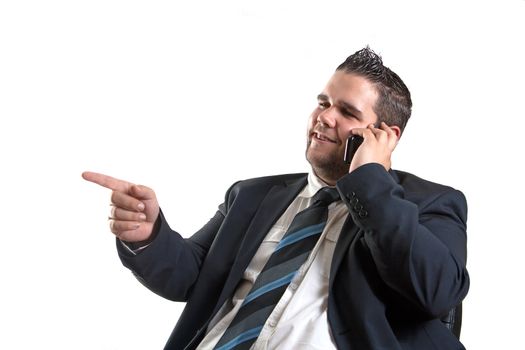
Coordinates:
<point>346,256</point>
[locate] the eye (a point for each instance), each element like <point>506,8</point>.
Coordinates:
<point>347,113</point>
<point>323,104</point>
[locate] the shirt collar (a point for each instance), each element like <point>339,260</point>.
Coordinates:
<point>314,185</point>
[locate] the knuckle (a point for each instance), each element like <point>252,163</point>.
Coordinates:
<point>114,197</point>
<point>148,190</point>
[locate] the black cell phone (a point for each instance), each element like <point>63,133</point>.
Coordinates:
<point>352,144</point>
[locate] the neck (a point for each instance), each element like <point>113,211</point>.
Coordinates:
<point>324,177</point>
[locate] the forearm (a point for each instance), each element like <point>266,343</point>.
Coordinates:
<point>170,264</point>
<point>419,249</point>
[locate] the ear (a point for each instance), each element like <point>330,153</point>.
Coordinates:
<point>397,130</point>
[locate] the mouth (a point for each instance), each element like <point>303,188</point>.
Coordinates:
<point>322,137</point>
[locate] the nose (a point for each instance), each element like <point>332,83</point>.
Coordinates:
<point>327,117</point>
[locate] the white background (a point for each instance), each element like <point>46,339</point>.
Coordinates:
<point>188,97</point>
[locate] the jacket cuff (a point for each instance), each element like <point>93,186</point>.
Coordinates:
<point>359,188</point>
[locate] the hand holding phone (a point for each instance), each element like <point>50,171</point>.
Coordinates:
<point>380,143</point>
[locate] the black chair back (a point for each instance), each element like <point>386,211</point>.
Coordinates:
<point>453,320</point>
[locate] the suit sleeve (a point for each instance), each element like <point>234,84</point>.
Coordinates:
<point>170,265</point>
<point>417,245</point>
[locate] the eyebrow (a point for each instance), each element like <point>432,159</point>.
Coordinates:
<point>345,105</point>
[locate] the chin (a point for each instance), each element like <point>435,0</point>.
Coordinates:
<point>328,168</point>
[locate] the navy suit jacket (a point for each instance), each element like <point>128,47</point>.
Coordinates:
<point>398,266</point>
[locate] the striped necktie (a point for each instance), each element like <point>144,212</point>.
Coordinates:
<point>291,252</point>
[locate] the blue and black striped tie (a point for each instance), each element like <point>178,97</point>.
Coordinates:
<point>291,252</point>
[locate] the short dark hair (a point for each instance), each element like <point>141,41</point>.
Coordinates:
<point>393,105</point>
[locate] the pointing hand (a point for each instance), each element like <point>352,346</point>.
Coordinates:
<point>134,208</point>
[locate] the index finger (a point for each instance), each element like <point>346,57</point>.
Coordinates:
<point>362,131</point>
<point>107,181</point>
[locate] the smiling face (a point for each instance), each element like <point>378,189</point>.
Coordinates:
<point>346,103</point>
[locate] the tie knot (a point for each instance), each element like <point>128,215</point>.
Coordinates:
<point>326,195</point>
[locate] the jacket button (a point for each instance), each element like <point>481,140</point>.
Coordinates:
<point>362,213</point>
<point>354,201</point>
<point>358,207</point>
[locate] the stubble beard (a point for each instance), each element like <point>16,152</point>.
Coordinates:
<point>330,167</point>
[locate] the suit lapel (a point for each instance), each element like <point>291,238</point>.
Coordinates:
<point>271,208</point>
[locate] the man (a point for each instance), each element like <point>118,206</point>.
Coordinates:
<point>389,262</point>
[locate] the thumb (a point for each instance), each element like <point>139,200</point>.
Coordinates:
<point>142,192</point>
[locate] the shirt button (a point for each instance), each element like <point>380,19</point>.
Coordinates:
<point>272,323</point>
<point>293,286</point>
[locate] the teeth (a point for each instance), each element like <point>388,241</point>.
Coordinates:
<point>322,138</point>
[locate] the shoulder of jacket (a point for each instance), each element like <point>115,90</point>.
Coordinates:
<point>414,183</point>
<point>271,180</point>
<point>425,192</point>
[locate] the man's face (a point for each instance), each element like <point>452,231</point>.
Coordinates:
<point>346,103</point>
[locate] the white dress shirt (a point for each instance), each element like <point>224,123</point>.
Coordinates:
<point>299,320</point>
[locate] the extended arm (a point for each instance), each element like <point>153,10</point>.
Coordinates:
<point>170,264</point>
